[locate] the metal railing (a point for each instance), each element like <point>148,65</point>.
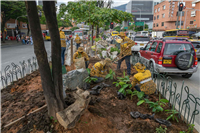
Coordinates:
<point>181,101</point>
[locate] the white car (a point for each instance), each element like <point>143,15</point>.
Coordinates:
<point>140,41</point>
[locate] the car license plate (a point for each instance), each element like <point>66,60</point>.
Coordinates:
<point>141,44</point>
<point>167,61</point>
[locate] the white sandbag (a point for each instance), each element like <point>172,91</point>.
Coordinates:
<point>114,54</point>
<point>99,56</point>
<point>68,57</point>
<point>80,63</point>
<point>104,54</point>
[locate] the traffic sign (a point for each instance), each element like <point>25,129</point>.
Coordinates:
<point>139,23</point>
<point>125,27</point>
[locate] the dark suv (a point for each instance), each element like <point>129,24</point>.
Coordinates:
<point>170,56</point>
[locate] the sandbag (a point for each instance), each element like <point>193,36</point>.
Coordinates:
<point>68,55</point>
<point>80,63</point>
<point>114,54</point>
<point>104,54</point>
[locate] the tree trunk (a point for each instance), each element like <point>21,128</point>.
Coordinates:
<point>28,29</point>
<point>97,32</point>
<point>51,20</point>
<point>92,34</point>
<point>53,104</point>
<point>2,29</point>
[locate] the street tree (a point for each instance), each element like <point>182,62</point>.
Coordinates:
<point>51,82</point>
<point>88,12</point>
<point>11,10</point>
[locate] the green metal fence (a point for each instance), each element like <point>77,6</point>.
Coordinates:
<point>181,101</point>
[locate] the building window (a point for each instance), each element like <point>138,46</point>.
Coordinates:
<point>179,23</point>
<point>163,15</point>
<point>162,23</point>
<point>157,16</point>
<point>191,22</point>
<point>154,17</point>
<point>157,25</point>
<point>180,13</point>
<point>155,10</point>
<point>193,5</point>
<point>154,25</point>
<point>164,7</point>
<point>158,9</point>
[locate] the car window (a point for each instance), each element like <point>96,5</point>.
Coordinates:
<point>153,46</point>
<point>196,44</point>
<point>141,39</point>
<point>159,47</point>
<point>176,48</point>
<point>148,46</point>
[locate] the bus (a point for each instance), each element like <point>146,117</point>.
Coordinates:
<point>180,33</point>
<point>67,32</point>
<point>82,32</point>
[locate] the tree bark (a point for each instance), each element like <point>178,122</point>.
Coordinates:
<point>92,34</point>
<point>2,29</point>
<point>51,20</point>
<point>28,29</point>
<point>53,103</point>
<point>97,32</point>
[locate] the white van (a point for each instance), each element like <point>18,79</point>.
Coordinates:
<point>143,33</point>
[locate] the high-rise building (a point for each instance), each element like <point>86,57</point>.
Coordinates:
<point>142,10</point>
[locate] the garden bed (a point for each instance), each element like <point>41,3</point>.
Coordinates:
<point>105,114</point>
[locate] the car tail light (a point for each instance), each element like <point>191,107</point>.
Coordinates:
<point>160,60</point>
<point>135,43</point>
<point>196,61</point>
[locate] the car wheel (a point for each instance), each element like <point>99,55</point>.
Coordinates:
<point>187,75</point>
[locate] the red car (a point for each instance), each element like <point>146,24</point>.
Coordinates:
<point>170,56</point>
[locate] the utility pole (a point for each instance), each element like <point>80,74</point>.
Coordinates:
<point>177,15</point>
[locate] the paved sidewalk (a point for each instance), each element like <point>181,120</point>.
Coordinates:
<point>10,43</point>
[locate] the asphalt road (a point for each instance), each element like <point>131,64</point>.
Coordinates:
<point>18,52</point>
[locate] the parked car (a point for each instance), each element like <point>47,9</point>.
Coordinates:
<point>196,45</point>
<point>170,56</point>
<point>140,41</point>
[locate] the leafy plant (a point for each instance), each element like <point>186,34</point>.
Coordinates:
<point>156,107</point>
<point>173,113</point>
<point>140,96</point>
<point>182,132</point>
<point>114,49</point>
<point>190,128</point>
<point>111,75</point>
<point>97,39</point>
<point>123,83</point>
<point>89,79</point>
<point>161,130</point>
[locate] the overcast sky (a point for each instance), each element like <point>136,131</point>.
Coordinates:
<point>116,2</point>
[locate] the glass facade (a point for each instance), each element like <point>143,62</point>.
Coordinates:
<point>146,7</point>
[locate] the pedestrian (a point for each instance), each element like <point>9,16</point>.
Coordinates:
<point>143,79</point>
<point>23,40</point>
<point>78,41</point>
<point>80,54</point>
<point>17,38</point>
<point>63,45</point>
<point>125,52</point>
<point>101,69</point>
<point>31,39</point>
<point>27,40</point>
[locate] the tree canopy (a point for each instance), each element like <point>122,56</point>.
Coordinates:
<point>87,11</point>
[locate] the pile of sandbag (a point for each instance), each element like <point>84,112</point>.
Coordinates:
<point>103,43</point>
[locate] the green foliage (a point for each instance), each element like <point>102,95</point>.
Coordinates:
<point>190,128</point>
<point>140,96</point>
<point>157,106</point>
<point>111,75</point>
<point>117,28</point>
<point>114,49</point>
<point>87,11</point>
<point>42,18</point>
<point>172,115</point>
<point>89,80</point>
<point>161,130</point>
<point>97,39</point>
<point>132,27</point>
<point>74,28</point>
<point>123,83</point>
<point>88,70</point>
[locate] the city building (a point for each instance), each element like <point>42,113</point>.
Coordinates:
<point>166,12</point>
<point>142,10</point>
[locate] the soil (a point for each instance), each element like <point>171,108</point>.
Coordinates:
<point>105,114</point>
